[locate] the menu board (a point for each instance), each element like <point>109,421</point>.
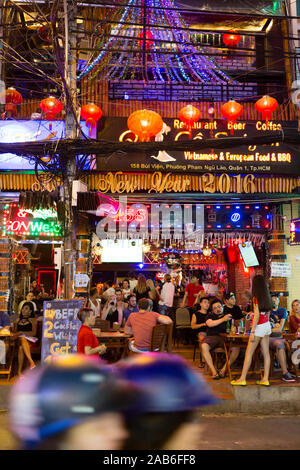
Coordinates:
<point>60,327</point>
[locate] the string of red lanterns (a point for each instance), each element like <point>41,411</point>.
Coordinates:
<point>144,123</point>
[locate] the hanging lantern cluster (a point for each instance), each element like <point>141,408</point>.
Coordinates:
<point>50,107</point>
<point>189,115</point>
<point>145,124</point>
<point>91,113</point>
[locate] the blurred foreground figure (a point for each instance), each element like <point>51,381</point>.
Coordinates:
<point>72,403</point>
<point>172,392</point>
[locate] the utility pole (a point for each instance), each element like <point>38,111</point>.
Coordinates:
<point>70,65</point>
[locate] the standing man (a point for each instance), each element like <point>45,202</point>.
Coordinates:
<point>191,291</point>
<point>166,296</point>
<point>140,325</point>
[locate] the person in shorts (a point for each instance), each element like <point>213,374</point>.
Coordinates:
<point>216,326</point>
<point>260,331</point>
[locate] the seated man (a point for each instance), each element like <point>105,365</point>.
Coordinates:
<point>276,341</point>
<point>4,323</point>
<point>140,325</point>
<point>216,326</point>
<point>236,313</point>
<point>131,307</point>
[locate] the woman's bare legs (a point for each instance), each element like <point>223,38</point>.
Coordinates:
<point>26,349</point>
<point>264,344</point>
<point>252,345</point>
<point>20,360</point>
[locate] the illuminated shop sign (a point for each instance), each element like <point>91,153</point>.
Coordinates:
<point>29,131</point>
<point>28,223</point>
<point>295,232</point>
<point>128,214</point>
<point>277,158</point>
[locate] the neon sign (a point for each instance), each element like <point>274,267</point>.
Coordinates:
<point>295,232</point>
<point>235,217</point>
<point>128,215</point>
<point>23,222</point>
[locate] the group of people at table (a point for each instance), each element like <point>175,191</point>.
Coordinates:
<point>211,319</point>
<point>133,307</point>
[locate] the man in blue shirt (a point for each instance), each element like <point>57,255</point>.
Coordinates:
<point>278,317</point>
<point>279,314</point>
<point>4,323</point>
<point>132,307</point>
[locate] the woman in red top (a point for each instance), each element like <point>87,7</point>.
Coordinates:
<point>295,317</point>
<point>87,342</point>
<point>260,331</point>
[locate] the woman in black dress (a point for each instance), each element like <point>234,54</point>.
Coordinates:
<point>26,324</point>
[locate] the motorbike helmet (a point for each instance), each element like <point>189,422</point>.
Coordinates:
<point>168,382</point>
<point>54,397</point>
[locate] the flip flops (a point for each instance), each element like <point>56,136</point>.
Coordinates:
<point>243,383</point>
<point>266,383</point>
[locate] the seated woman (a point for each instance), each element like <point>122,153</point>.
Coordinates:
<point>112,311</point>
<point>26,324</point>
<point>198,322</point>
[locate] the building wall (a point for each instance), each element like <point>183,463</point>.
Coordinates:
<point>293,254</point>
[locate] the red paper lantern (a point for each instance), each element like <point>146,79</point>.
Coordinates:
<point>12,99</point>
<point>145,124</point>
<point>232,110</point>
<point>50,107</point>
<point>12,96</point>
<point>149,35</point>
<point>44,33</point>
<point>189,115</point>
<point>232,38</point>
<point>91,113</point>
<point>266,105</point>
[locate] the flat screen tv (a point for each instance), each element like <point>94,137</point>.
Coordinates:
<point>248,254</point>
<point>122,251</point>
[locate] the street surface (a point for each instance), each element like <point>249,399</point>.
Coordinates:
<point>226,432</point>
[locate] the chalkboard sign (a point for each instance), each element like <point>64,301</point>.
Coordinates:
<point>60,327</point>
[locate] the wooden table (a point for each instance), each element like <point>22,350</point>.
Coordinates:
<point>240,341</point>
<point>114,340</point>
<point>10,341</point>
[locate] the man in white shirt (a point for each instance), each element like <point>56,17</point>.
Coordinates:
<point>166,296</point>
